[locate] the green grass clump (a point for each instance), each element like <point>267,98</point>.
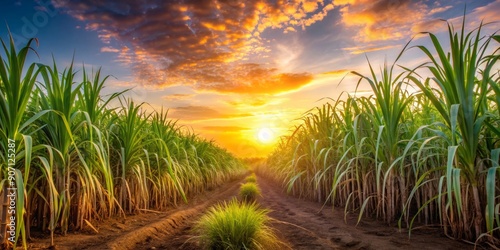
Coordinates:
<point>249,191</point>
<point>251,178</point>
<point>235,225</point>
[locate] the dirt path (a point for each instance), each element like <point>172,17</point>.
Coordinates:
<point>301,223</point>
<point>306,226</point>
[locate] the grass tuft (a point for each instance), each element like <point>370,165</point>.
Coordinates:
<point>251,178</point>
<point>234,225</point>
<point>249,191</point>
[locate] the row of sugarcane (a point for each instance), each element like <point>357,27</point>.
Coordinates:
<point>417,150</point>
<point>78,159</point>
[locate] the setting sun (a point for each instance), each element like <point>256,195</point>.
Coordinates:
<point>265,135</point>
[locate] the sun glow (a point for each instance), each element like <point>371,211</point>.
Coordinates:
<point>265,135</point>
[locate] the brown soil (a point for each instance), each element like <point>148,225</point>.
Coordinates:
<point>302,224</point>
<point>142,230</point>
<point>308,225</point>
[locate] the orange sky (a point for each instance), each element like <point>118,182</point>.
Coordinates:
<point>264,65</point>
<point>229,68</point>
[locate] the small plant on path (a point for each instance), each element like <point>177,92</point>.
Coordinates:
<point>249,192</point>
<point>235,225</point>
<point>251,178</point>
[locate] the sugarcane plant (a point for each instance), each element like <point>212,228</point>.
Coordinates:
<point>80,158</point>
<point>417,149</point>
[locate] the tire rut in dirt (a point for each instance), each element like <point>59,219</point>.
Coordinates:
<point>296,225</point>
<point>174,233</point>
<point>308,225</point>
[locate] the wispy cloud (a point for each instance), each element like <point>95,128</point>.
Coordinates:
<point>255,102</point>
<point>488,13</point>
<point>382,19</point>
<point>202,113</point>
<point>225,128</point>
<point>338,72</point>
<point>432,26</point>
<point>252,102</point>
<point>252,78</point>
<point>440,9</point>
<point>368,48</point>
<point>109,49</point>
<point>389,20</point>
<point>177,97</point>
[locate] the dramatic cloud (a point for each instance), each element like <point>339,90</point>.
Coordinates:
<point>232,46</point>
<point>200,43</point>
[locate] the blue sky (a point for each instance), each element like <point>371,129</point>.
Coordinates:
<point>230,68</point>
